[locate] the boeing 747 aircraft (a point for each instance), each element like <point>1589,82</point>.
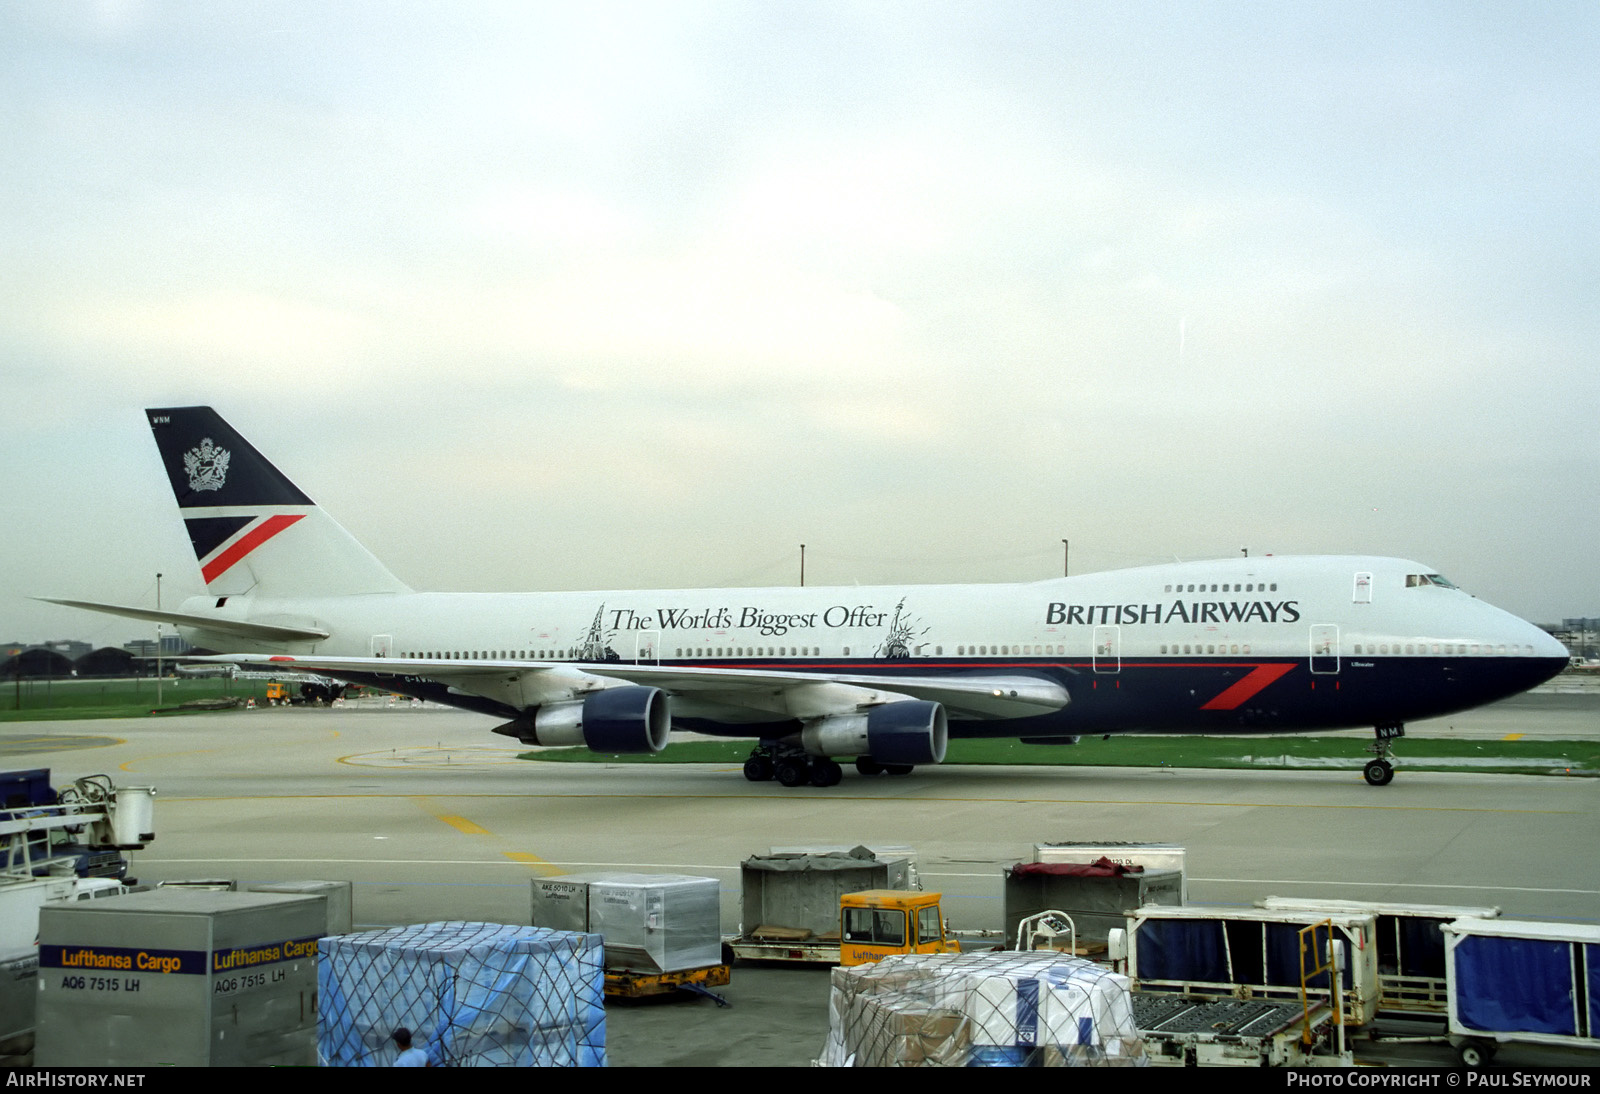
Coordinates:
<point>881,675</point>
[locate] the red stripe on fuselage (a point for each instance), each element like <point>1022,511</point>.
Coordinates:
<point>1255,681</point>
<point>246,543</point>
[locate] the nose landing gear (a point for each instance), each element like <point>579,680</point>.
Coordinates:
<point>1379,771</point>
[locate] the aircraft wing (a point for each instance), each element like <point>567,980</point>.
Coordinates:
<point>762,694</point>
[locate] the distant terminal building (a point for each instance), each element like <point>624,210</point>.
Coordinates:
<point>171,646</point>
<point>64,658</point>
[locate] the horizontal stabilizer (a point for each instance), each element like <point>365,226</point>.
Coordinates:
<point>265,632</point>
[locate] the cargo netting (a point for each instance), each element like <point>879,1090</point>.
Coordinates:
<point>981,1010</point>
<point>472,995</point>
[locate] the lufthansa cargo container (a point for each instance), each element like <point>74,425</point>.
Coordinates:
<point>179,978</point>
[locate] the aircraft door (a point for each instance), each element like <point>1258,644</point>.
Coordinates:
<point>1108,649</point>
<point>1363,589</point>
<point>647,647</point>
<point>1325,648</point>
<point>381,644</point>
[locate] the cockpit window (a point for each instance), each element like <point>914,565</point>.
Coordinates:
<point>1415,580</point>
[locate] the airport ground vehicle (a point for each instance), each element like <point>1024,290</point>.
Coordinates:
<point>56,846</point>
<point>878,922</point>
<point>790,898</point>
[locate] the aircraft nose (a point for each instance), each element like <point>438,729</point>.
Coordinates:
<point>1545,645</point>
<point>1546,650</point>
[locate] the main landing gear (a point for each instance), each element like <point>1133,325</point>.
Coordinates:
<point>792,766</point>
<point>1379,771</point>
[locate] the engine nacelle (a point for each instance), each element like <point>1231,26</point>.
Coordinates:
<point>616,720</point>
<point>908,732</point>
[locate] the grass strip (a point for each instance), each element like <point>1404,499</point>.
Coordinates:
<point>1552,757</point>
<point>63,700</point>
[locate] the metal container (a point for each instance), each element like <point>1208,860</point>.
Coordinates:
<point>341,911</point>
<point>177,977</point>
<point>802,891</point>
<point>651,922</point>
<point>1097,903</point>
<point>1152,856</point>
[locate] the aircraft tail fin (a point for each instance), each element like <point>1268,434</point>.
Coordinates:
<point>253,530</point>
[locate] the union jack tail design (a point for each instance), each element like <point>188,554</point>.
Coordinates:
<point>252,529</point>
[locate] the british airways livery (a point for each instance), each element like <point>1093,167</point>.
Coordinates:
<point>880,675</point>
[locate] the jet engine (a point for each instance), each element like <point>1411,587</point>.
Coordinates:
<point>909,732</point>
<point>616,720</point>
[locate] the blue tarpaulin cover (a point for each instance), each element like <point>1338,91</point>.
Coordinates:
<point>1514,985</point>
<point>472,995</point>
<point>1183,949</point>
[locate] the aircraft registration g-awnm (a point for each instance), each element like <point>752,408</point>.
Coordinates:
<point>884,675</point>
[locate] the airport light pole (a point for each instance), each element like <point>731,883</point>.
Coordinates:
<point>158,641</point>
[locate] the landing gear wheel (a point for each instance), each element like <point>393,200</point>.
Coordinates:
<point>868,766</point>
<point>1379,771</point>
<point>792,770</point>
<point>824,772</point>
<point>899,769</point>
<point>758,769</point>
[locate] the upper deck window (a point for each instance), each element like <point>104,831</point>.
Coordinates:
<point>1417,580</point>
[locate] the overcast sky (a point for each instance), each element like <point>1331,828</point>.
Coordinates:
<point>648,294</point>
